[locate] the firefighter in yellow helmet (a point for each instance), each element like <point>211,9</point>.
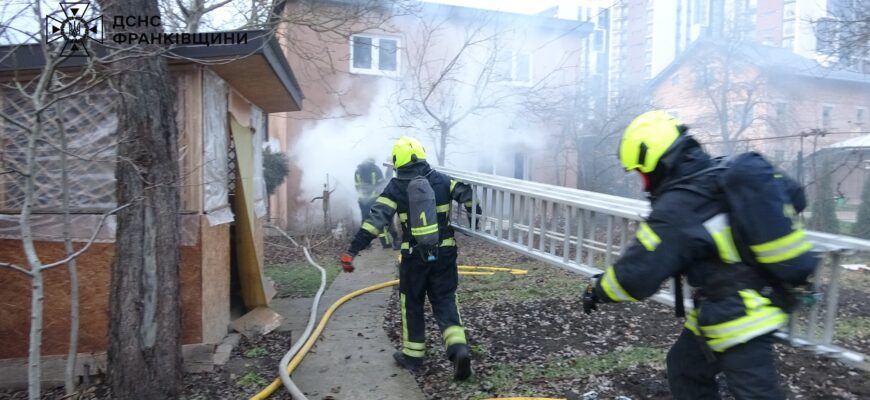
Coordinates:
<point>422,198</point>
<point>688,234</point>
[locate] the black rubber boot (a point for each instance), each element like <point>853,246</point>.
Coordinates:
<point>412,364</point>
<point>460,356</point>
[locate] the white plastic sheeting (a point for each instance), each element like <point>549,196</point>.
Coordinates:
<point>258,122</point>
<point>90,125</point>
<point>215,144</point>
<point>49,228</point>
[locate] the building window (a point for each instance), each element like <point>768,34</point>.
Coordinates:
<point>860,115</point>
<point>647,55</point>
<point>374,55</point>
<point>701,10</point>
<point>788,29</point>
<point>788,43</point>
<point>780,107</point>
<point>647,71</point>
<point>513,66</point>
<point>788,11</point>
<point>827,113</point>
<point>521,167</point>
<point>603,16</point>
<point>598,40</point>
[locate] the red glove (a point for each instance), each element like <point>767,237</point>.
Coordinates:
<point>347,263</point>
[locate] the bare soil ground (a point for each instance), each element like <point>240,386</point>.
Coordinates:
<point>530,338</point>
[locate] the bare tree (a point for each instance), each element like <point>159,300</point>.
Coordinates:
<point>732,90</point>
<point>589,131</point>
<point>461,69</point>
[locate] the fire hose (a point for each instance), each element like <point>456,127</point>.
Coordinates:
<point>297,352</point>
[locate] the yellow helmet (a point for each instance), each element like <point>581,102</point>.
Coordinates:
<point>407,150</point>
<point>647,139</point>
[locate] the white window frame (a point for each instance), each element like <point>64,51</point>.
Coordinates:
<point>375,70</point>
<point>513,78</point>
<point>822,116</point>
<point>603,34</point>
<point>862,121</point>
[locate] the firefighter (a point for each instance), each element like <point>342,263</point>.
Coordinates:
<point>369,181</point>
<point>687,233</point>
<point>420,277</point>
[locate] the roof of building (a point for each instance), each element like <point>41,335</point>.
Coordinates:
<point>853,143</point>
<point>773,59</point>
<point>257,69</point>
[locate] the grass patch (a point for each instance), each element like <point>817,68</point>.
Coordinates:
<point>542,282</point>
<point>849,328</point>
<point>300,279</point>
<point>251,379</point>
<point>256,352</point>
<point>519,379</point>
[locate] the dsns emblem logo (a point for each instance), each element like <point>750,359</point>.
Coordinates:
<point>74,27</point>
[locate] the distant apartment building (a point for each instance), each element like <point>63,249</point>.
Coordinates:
<point>647,35</point>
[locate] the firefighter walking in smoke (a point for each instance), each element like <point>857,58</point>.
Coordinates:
<point>422,197</point>
<point>369,181</point>
<point>743,270</point>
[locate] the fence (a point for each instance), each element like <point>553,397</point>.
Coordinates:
<point>584,232</point>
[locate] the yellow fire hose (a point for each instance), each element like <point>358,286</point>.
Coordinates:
<point>465,271</point>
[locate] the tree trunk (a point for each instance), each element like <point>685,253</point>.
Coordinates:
<point>145,314</point>
<point>69,382</point>
<point>442,142</point>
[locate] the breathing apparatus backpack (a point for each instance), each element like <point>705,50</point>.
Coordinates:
<point>762,205</point>
<point>422,218</point>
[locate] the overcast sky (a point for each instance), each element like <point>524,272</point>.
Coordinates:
<point>518,6</point>
<point>9,8</point>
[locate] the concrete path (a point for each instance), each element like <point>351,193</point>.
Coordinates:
<point>353,360</point>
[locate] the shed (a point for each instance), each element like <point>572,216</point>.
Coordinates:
<point>223,96</point>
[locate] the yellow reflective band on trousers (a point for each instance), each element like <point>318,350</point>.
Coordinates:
<point>371,228</point>
<point>782,249</point>
<point>647,237</point>
<point>409,348</point>
<point>443,208</point>
<point>454,335</point>
<point>387,202</point>
<point>761,318</point>
<point>424,230</point>
<point>452,185</point>
<point>719,229</point>
<point>403,217</point>
<point>612,287</point>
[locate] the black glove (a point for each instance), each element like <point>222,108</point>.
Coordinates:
<point>590,300</point>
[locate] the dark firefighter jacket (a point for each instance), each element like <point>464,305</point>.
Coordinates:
<point>688,233</point>
<point>368,180</point>
<point>394,199</point>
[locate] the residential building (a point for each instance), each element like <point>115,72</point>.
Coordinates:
<point>775,101</point>
<point>375,85</point>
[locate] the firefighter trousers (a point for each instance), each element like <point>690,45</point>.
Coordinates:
<point>749,370</point>
<point>438,281</point>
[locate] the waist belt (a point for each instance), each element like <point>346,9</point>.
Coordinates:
<point>444,243</point>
